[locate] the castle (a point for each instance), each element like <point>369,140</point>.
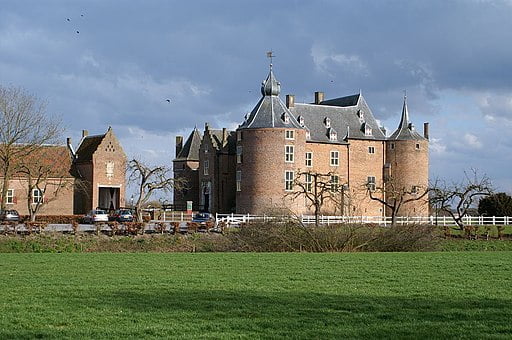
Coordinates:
<point>259,167</point>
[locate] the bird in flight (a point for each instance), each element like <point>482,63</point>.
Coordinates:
<point>68,19</point>
<point>168,100</point>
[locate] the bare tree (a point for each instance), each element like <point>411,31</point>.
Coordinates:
<point>457,198</point>
<point>149,180</point>
<point>45,173</point>
<point>318,189</point>
<point>24,127</point>
<point>394,195</point>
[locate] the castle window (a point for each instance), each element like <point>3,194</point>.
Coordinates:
<point>37,196</point>
<point>327,122</point>
<point>239,154</point>
<point>9,199</point>
<point>285,117</point>
<point>206,167</point>
<point>335,158</point>
<point>367,130</point>
<point>371,149</point>
<point>417,146</point>
<point>288,153</point>
<point>360,115</point>
<point>370,183</point>
<point>414,190</point>
<point>308,181</point>
<point>239,135</point>
<point>334,183</point>
<point>308,134</point>
<point>333,136</point>
<point>301,120</point>
<point>288,180</point>
<point>309,159</point>
<point>289,134</point>
<point>392,146</point>
<point>239,180</point>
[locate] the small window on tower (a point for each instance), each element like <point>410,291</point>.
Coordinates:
<point>417,146</point>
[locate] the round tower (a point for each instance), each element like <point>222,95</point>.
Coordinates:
<point>270,151</point>
<point>406,168</point>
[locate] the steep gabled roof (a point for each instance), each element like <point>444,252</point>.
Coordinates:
<point>405,130</point>
<point>87,147</point>
<point>348,116</point>
<point>190,150</point>
<point>270,111</point>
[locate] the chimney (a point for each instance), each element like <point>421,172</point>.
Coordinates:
<point>85,133</point>
<point>319,97</point>
<point>290,100</point>
<point>70,146</point>
<point>224,136</point>
<point>179,144</point>
<point>425,130</point>
<point>206,126</point>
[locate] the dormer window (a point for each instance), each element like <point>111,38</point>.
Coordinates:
<point>301,120</point>
<point>327,122</point>
<point>333,136</point>
<point>360,115</point>
<point>285,117</point>
<point>367,130</point>
<point>411,126</point>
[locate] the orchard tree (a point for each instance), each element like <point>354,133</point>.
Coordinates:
<point>457,198</point>
<point>24,128</point>
<point>394,195</point>
<point>150,179</point>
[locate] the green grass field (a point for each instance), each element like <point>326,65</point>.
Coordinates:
<point>250,295</point>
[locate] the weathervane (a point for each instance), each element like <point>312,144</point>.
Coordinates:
<point>270,55</point>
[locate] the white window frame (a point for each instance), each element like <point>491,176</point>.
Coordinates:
<point>239,180</point>
<point>335,158</point>
<point>371,150</point>
<point>239,154</point>
<point>288,180</point>
<point>206,167</point>
<point>367,131</point>
<point>308,181</point>
<point>289,134</point>
<point>9,199</point>
<point>289,151</point>
<point>309,159</point>
<point>37,196</point>
<point>334,183</point>
<point>333,136</point>
<point>371,183</point>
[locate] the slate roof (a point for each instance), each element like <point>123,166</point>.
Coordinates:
<point>229,146</point>
<point>87,147</point>
<point>270,111</point>
<point>190,150</point>
<point>348,117</point>
<point>405,130</point>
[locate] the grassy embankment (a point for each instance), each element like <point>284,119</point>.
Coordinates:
<point>251,295</point>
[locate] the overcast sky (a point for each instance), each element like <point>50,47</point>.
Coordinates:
<point>114,63</point>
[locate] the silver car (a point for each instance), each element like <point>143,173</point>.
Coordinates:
<point>96,215</point>
<point>9,216</point>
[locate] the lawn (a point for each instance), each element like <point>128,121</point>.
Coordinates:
<point>257,295</point>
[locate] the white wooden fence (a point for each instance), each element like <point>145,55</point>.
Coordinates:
<point>237,219</point>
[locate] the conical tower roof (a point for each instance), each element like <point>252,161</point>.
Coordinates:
<point>405,130</point>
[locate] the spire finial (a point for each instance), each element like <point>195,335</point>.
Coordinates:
<point>405,94</point>
<point>270,55</point>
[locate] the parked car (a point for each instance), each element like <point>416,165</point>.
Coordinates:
<point>9,216</point>
<point>96,215</point>
<point>122,215</point>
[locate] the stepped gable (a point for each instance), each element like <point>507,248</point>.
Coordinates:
<point>217,137</point>
<point>270,112</point>
<point>405,130</point>
<point>349,116</point>
<point>190,150</point>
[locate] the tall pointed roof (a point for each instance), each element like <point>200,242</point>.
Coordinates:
<point>405,130</point>
<point>190,150</point>
<point>270,111</point>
